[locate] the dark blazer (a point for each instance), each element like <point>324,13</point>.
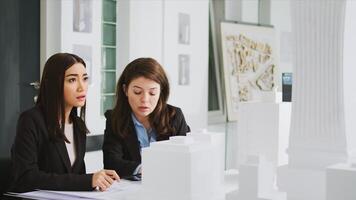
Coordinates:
<point>123,154</point>
<point>39,163</point>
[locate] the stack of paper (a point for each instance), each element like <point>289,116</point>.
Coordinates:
<point>123,190</point>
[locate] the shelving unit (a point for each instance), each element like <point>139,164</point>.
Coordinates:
<point>108,47</point>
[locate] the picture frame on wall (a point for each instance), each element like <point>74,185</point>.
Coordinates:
<point>249,63</point>
<point>183,28</point>
<point>83,16</point>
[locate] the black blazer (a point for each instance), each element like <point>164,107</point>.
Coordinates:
<point>123,154</point>
<point>39,163</point>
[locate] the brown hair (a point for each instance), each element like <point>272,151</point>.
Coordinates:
<point>51,96</point>
<point>161,115</point>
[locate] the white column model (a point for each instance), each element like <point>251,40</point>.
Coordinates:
<point>317,134</point>
<point>341,178</point>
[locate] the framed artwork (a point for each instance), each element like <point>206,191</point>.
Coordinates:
<point>184,28</point>
<point>82,16</point>
<point>249,62</point>
<point>183,66</point>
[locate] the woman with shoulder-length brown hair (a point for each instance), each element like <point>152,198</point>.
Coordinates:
<point>141,115</point>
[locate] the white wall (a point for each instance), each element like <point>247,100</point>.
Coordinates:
<point>57,35</point>
<point>191,98</point>
<point>146,32</point>
<point>153,32</point>
<point>349,77</point>
<point>94,161</point>
<point>140,31</point>
<point>281,20</point>
<point>242,10</point>
<point>249,11</point>
<point>233,10</point>
<point>95,121</point>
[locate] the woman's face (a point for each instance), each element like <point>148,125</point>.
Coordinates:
<point>75,86</point>
<point>143,95</point>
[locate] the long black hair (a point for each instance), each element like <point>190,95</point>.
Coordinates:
<point>51,96</point>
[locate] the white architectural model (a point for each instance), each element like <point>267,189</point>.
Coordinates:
<point>317,138</point>
<point>340,182</point>
<point>256,181</point>
<point>184,168</point>
<point>263,130</point>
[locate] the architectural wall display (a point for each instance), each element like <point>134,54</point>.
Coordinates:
<point>249,59</point>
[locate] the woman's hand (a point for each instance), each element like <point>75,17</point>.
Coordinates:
<point>103,179</point>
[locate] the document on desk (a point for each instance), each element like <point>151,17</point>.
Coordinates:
<point>123,190</point>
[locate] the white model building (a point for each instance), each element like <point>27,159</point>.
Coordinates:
<point>184,168</point>
<point>340,181</point>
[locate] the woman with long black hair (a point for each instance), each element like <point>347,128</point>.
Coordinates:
<point>49,147</point>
